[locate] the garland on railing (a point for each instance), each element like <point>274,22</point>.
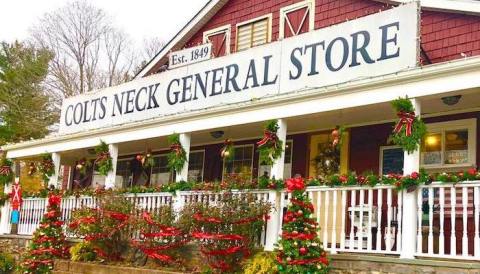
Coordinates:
<point>177,155</point>
<point>409,130</point>
<point>103,160</point>
<point>270,147</point>
<point>6,173</point>
<point>228,151</point>
<point>46,167</point>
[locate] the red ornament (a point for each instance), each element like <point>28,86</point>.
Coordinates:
<point>303,250</point>
<point>415,175</point>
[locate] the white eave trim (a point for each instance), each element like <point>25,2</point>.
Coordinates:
<point>456,6</point>
<point>418,82</point>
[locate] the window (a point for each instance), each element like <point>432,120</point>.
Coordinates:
<point>195,165</point>
<point>160,172</point>
<point>287,170</point>
<point>449,144</point>
<point>391,160</point>
<point>124,173</point>
<point>242,163</point>
<point>254,32</point>
<point>297,19</point>
<point>220,40</point>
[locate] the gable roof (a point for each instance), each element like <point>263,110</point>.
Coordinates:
<point>471,7</point>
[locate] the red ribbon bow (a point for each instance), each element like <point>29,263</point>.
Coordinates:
<point>406,118</point>
<point>5,170</point>
<point>295,184</point>
<point>268,136</point>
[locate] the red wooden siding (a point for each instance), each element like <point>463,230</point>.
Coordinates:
<point>444,35</point>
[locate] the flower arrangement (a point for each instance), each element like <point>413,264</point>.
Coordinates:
<point>103,160</point>
<point>410,129</point>
<point>46,167</point>
<point>6,173</point>
<point>177,155</point>
<point>48,240</point>
<point>270,147</point>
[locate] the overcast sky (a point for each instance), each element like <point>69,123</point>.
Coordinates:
<point>139,18</point>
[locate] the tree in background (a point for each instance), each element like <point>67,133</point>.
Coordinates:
<point>25,110</point>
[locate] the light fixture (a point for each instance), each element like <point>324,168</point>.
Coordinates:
<point>217,133</point>
<point>451,100</point>
<point>431,140</point>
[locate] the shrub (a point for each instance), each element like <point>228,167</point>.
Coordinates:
<point>261,263</point>
<point>7,263</point>
<point>83,252</point>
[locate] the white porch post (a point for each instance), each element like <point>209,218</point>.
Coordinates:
<point>182,175</point>
<point>53,180</point>
<point>5,225</point>
<point>411,163</point>
<point>110,179</point>
<point>278,166</point>
<point>274,197</point>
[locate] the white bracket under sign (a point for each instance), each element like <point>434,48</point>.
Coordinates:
<point>190,56</point>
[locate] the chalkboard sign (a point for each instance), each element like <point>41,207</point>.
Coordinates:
<point>391,160</point>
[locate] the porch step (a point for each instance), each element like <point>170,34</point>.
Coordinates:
<point>68,267</point>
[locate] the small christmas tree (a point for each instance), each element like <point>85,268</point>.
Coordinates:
<point>299,250</point>
<point>48,241</point>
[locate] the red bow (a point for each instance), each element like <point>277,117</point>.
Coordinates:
<point>406,118</point>
<point>268,136</point>
<point>5,170</point>
<point>295,184</point>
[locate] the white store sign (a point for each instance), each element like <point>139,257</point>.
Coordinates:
<point>374,45</point>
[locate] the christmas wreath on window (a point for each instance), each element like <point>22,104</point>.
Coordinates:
<point>270,147</point>
<point>46,167</point>
<point>177,155</point>
<point>228,151</point>
<point>410,129</point>
<point>6,173</point>
<point>103,161</point>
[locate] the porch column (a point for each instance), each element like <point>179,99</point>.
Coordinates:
<point>278,166</point>
<point>182,175</point>
<point>411,163</point>
<point>53,180</point>
<point>110,179</point>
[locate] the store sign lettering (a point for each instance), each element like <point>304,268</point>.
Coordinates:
<point>374,45</point>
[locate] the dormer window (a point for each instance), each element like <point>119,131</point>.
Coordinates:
<point>220,40</point>
<point>297,19</point>
<point>254,32</point>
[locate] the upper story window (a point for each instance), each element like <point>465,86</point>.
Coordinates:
<point>220,40</point>
<point>449,144</point>
<point>297,19</point>
<point>254,32</point>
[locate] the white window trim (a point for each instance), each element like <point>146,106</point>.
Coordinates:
<point>310,4</point>
<point>441,127</point>
<point>380,164</point>
<point>203,161</point>
<point>291,160</point>
<point>222,29</point>
<point>251,166</point>
<point>269,28</point>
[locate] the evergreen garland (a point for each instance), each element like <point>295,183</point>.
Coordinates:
<point>48,242</point>
<point>410,129</point>
<point>103,162</point>
<point>46,167</point>
<point>177,155</point>
<point>299,250</point>
<point>270,147</point>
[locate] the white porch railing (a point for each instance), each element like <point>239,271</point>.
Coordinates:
<point>352,219</point>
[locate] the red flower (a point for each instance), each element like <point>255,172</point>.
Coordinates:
<point>415,175</point>
<point>343,178</point>
<point>295,184</point>
<point>54,200</point>
<point>472,171</point>
<point>398,184</point>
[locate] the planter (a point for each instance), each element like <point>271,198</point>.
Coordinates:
<point>64,267</point>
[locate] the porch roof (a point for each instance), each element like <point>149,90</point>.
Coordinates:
<point>431,80</point>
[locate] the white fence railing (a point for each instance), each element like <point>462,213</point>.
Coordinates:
<point>352,219</point>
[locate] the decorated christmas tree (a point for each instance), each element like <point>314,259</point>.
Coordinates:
<point>299,250</point>
<point>48,242</point>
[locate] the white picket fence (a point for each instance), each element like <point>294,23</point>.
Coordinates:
<point>352,219</point>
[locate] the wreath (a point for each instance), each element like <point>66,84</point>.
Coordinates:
<point>6,173</point>
<point>228,151</point>
<point>145,159</point>
<point>410,129</point>
<point>103,161</point>
<point>270,147</point>
<point>177,155</point>
<point>46,167</point>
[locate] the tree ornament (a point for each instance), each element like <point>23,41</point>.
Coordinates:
<point>410,129</point>
<point>228,151</point>
<point>103,161</point>
<point>270,147</point>
<point>177,155</point>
